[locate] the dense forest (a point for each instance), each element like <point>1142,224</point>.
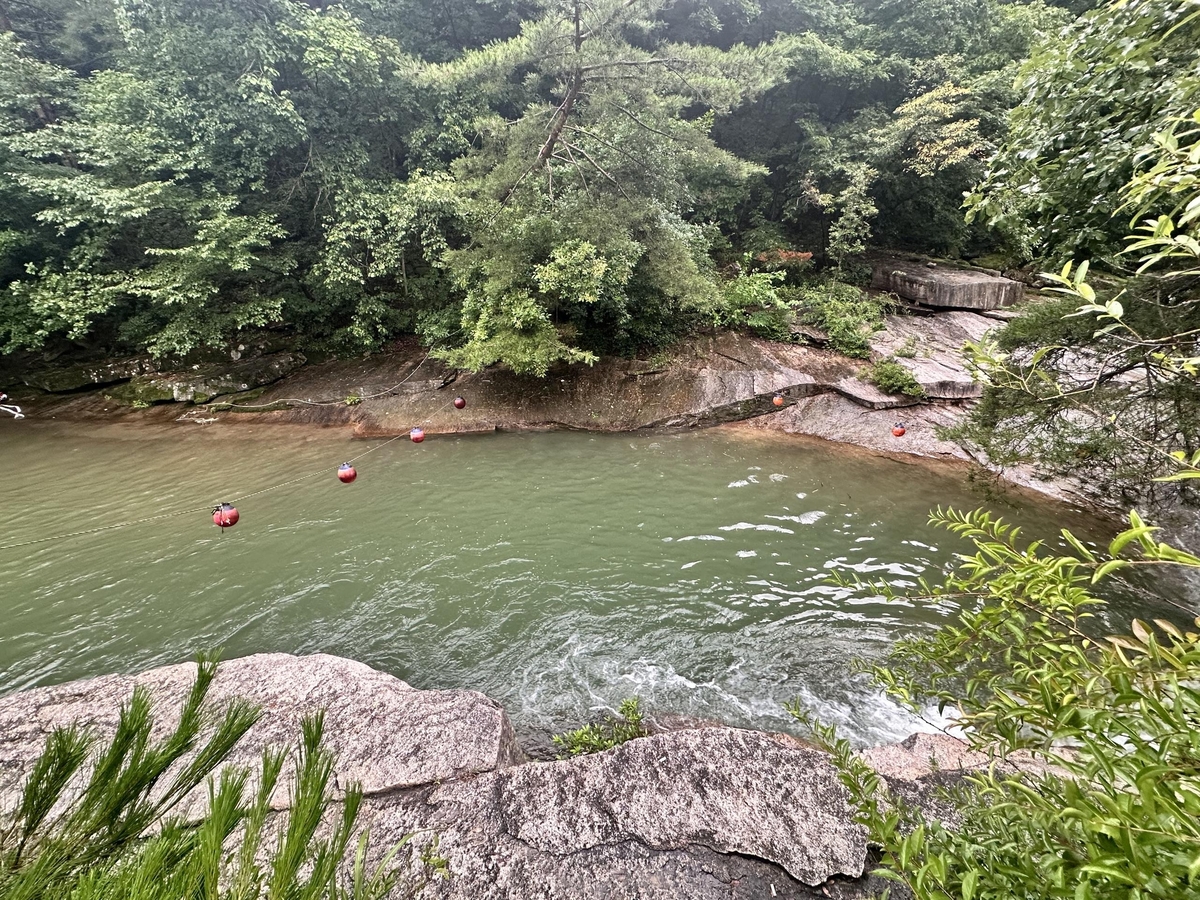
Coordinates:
<point>512,181</point>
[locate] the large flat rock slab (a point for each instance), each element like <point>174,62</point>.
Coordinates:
<point>931,347</point>
<point>386,734</point>
<point>713,812</point>
<point>947,287</point>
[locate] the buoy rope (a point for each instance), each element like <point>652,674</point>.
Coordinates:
<point>208,507</point>
<point>62,537</point>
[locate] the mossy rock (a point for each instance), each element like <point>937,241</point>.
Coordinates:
<point>140,392</point>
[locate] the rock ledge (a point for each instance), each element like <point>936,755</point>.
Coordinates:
<point>709,813</point>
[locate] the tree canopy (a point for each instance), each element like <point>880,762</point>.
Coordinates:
<point>518,182</point>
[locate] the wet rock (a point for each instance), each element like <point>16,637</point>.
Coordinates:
<point>64,379</point>
<point>206,382</point>
<point>945,286</point>
<point>832,417</point>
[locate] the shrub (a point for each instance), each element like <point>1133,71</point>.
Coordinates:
<point>891,376</point>
<point>847,315</point>
<point>592,738</point>
<point>1114,809</point>
<point>753,301</point>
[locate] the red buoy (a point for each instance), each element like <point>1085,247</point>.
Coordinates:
<point>225,515</point>
<point>417,435</point>
<point>898,429</point>
<point>460,402</point>
<point>346,473</point>
<point>778,400</point>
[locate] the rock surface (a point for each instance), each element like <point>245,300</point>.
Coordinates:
<point>63,379</point>
<point>945,286</point>
<point>205,383</point>
<point>931,348</point>
<point>704,381</point>
<point>863,393</point>
<point>708,813</point>
<point>386,734</point>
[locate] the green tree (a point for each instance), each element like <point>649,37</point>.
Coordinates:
<point>1092,99</point>
<point>883,124</point>
<point>173,192</point>
<point>594,154</point>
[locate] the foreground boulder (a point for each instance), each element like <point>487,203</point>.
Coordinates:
<point>386,734</point>
<point>715,812</point>
<point>711,813</point>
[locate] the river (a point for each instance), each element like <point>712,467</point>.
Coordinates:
<point>556,572</point>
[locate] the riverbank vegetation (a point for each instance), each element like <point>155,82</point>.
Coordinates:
<point>516,182</point>
<point>1099,176</point>
<point>1093,790</point>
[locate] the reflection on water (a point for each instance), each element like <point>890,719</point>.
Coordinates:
<point>557,572</point>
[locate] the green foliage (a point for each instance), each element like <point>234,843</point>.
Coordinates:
<point>1102,380</point>
<point>594,737</point>
<point>843,312</point>
<point>893,377</point>
<point>907,350</point>
<point>1092,101</point>
<point>592,154</point>
<point>1094,791</point>
<point>885,122</point>
<point>103,821</point>
<point>180,175</point>
<point>751,300</point>
<point>169,197</point>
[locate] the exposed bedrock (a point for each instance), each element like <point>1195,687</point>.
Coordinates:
<point>705,813</point>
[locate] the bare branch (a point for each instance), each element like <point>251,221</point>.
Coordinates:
<point>639,122</point>
<point>634,63</point>
<point>599,168</point>
<point>616,149</point>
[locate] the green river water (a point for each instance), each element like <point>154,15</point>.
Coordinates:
<point>556,572</point>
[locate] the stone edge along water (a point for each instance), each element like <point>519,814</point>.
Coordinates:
<point>704,813</point>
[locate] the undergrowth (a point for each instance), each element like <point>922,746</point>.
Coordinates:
<point>629,723</point>
<point>891,376</point>
<point>846,314</point>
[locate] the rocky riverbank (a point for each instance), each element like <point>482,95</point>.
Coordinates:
<point>708,814</point>
<point>721,379</point>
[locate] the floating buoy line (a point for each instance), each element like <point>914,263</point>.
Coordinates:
<point>225,514</point>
